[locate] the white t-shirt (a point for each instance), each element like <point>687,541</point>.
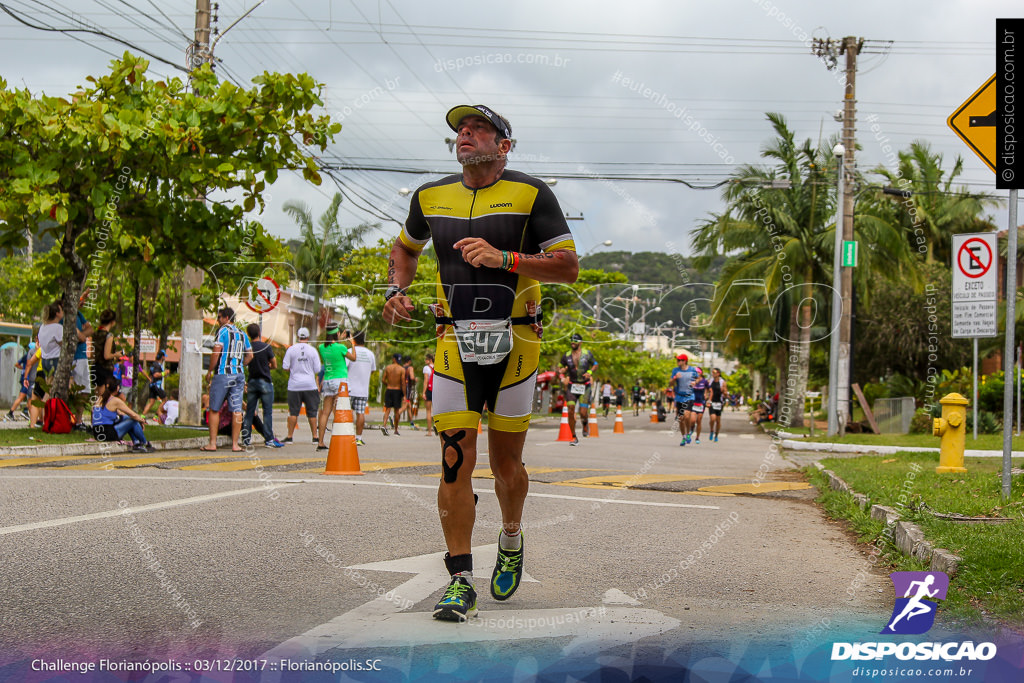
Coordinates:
<point>172,412</point>
<point>427,372</point>
<point>359,372</point>
<point>606,390</point>
<point>50,337</point>
<point>303,364</point>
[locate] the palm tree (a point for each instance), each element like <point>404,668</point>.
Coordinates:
<point>323,250</point>
<point>935,209</point>
<point>785,239</point>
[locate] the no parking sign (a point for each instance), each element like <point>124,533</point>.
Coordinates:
<point>975,285</point>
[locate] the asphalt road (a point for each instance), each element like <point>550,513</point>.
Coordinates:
<point>634,545</point>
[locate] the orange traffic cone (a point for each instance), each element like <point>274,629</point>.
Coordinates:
<point>480,426</point>
<point>620,428</point>
<point>367,411</point>
<point>592,427</point>
<point>343,455</point>
<point>654,414</point>
<point>564,433</point>
<point>302,410</point>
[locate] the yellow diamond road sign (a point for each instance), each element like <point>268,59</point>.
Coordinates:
<point>975,122</point>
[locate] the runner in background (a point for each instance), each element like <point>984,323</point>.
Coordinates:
<point>335,354</point>
<point>699,403</point>
<point>716,403</point>
<point>428,392</point>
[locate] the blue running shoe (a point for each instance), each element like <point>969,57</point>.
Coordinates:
<point>687,439</point>
<point>508,570</point>
<point>683,442</point>
<point>458,602</point>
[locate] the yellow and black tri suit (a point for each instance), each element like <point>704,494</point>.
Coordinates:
<point>517,213</point>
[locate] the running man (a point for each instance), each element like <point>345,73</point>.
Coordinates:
<point>681,385</point>
<point>637,396</point>
<point>484,360</point>
<point>716,403</point>
<point>606,396</point>
<point>579,365</point>
<point>699,400</point>
<point>428,391</point>
<point>394,379</point>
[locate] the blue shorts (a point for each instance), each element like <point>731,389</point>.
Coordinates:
<point>229,387</point>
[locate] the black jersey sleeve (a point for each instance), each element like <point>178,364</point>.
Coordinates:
<point>547,226</point>
<point>416,232</point>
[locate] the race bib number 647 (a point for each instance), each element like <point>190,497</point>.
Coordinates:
<point>484,342</point>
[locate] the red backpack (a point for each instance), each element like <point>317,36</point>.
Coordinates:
<point>57,417</point>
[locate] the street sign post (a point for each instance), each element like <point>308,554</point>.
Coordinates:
<point>975,285</point>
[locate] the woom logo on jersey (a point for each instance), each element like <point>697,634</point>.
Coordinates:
<point>502,205</point>
<point>917,594</point>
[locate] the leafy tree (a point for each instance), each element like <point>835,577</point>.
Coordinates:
<point>906,329</point>
<point>122,161</point>
<point>323,250</point>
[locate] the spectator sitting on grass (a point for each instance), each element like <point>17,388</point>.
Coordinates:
<point>112,418</point>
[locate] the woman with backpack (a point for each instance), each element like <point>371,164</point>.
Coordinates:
<point>112,419</point>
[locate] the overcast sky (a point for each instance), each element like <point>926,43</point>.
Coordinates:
<point>560,71</point>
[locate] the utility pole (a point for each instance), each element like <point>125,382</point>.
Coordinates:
<point>190,368</point>
<point>827,50</point>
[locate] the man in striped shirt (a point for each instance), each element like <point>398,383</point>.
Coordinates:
<point>232,351</point>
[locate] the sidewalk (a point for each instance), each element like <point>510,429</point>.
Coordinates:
<point>860,449</point>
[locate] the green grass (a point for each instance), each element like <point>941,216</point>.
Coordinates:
<point>36,437</point>
<point>990,580</point>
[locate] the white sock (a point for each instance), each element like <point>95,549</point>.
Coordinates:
<point>510,541</point>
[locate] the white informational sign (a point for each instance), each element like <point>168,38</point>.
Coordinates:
<point>147,345</point>
<point>975,285</point>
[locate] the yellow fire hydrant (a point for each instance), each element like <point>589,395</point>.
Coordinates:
<point>952,427</point>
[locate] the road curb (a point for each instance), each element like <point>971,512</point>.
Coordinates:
<point>98,448</point>
<point>907,536</point>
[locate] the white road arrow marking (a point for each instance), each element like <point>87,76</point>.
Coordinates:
<point>385,621</point>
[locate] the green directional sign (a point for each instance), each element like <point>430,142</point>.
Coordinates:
<point>849,254</point>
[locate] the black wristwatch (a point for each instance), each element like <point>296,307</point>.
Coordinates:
<point>392,291</point>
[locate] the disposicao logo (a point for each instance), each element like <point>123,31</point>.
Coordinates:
<point>917,594</point>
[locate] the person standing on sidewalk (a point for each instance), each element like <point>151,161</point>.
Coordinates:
<point>260,389</point>
<point>303,365</point>
<point>497,235</point>
<point>359,372</point>
<point>232,351</point>
<point>394,378</point>
<point>335,354</point>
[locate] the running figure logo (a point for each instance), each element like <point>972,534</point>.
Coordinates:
<point>916,596</point>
